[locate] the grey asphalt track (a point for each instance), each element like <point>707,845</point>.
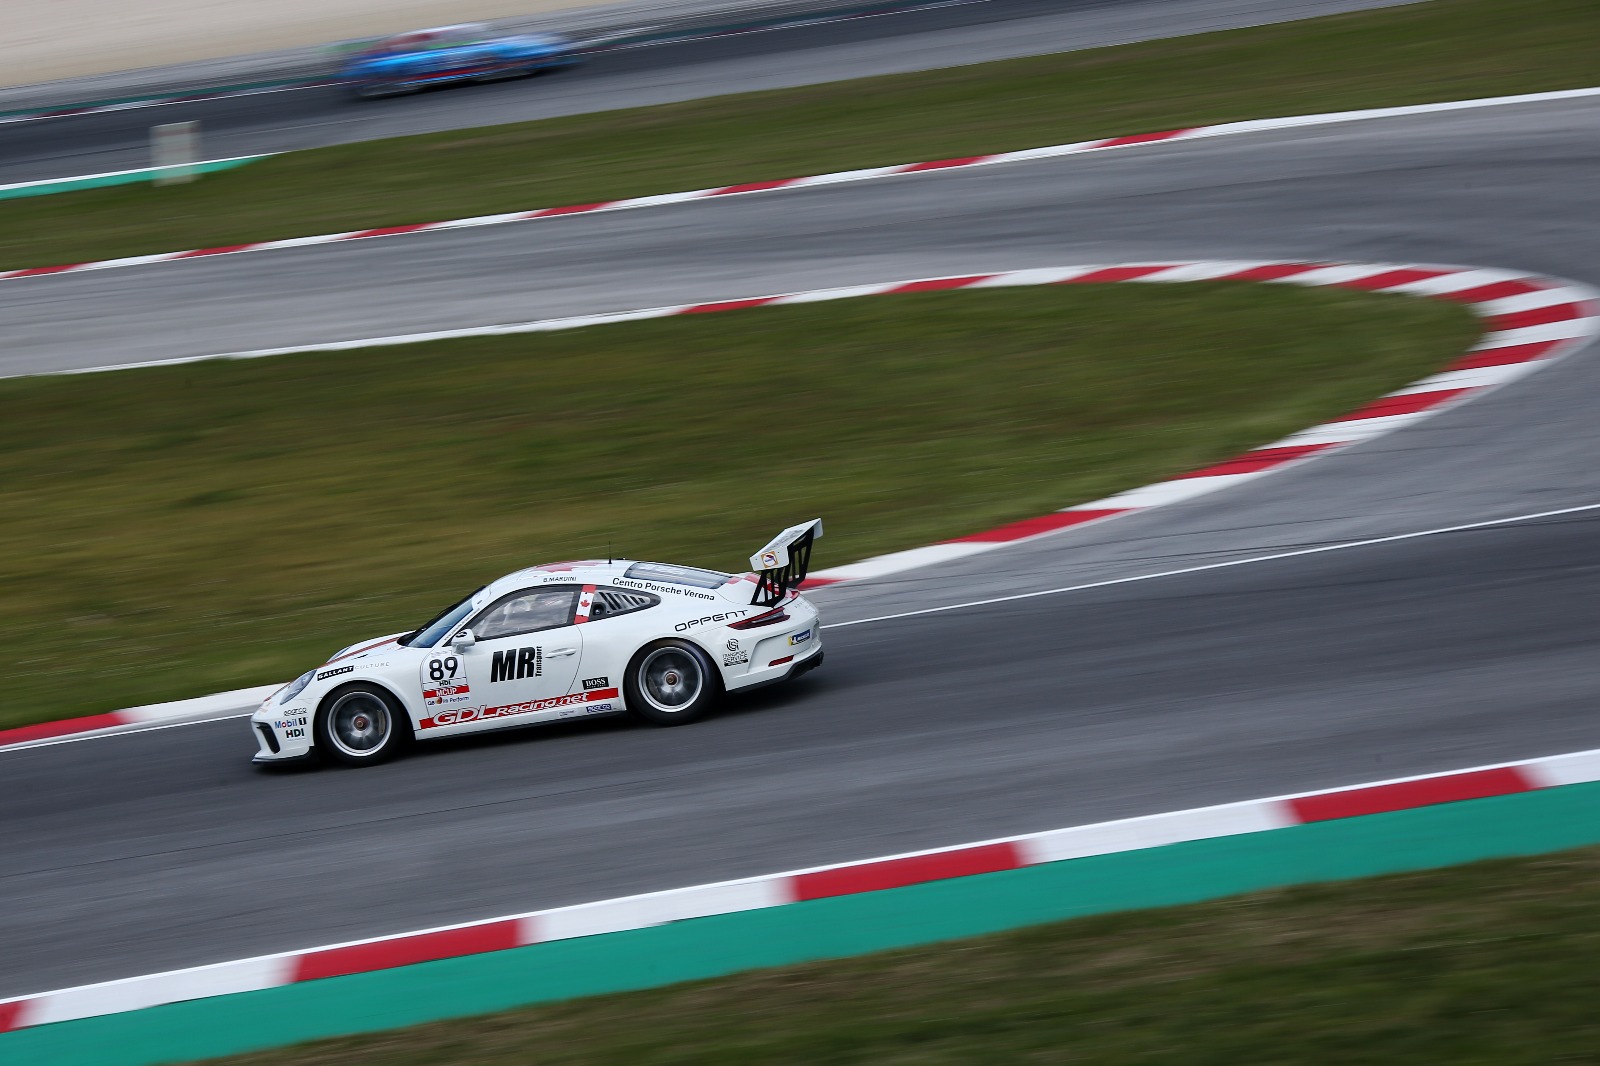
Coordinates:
<point>163,849</point>
<point>915,40</point>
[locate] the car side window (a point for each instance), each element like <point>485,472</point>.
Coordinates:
<point>609,603</point>
<point>527,611</point>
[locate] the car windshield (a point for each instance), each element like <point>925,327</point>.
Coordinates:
<point>433,631</point>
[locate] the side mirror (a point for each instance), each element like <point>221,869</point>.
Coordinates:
<point>463,640</point>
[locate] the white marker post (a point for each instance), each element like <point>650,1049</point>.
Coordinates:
<point>174,149</point>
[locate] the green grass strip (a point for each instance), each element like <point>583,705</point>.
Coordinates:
<point>1441,50</point>
<point>197,528</point>
<point>1484,964</point>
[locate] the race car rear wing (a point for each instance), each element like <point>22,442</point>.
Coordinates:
<point>783,563</point>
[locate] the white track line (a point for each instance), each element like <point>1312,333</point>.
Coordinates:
<point>1219,566</point>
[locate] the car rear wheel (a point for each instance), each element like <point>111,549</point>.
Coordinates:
<point>671,682</point>
<point>360,724</point>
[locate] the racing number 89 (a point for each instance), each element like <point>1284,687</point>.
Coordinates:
<point>443,669</point>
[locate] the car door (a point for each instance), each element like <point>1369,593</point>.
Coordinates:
<point>520,667</point>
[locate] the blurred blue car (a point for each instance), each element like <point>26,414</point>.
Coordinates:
<point>449,55</point>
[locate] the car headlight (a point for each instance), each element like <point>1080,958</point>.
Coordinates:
<point>297,686</point>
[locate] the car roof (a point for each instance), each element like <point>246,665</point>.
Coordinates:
<point>435,34</point>
<point>641,573</point>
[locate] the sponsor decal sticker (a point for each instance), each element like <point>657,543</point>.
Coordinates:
<point>725,615</point>
<point>800,637</point>
<point>769,560</point>
<point>585,604</point>
<point>592,683</point>
<point>444,681</point>
<point>461,716</point>
<point>514,664</point>
<point>323,675</point>
<point>651,586</point>
<point>736,659</point>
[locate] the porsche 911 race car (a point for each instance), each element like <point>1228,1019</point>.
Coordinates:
<point>451,54</point>
<point>558,641</point>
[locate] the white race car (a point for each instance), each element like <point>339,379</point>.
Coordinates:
<point>564,640</point>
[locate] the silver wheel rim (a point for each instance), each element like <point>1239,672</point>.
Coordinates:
<point>670,679</point>
<point>358,724</point>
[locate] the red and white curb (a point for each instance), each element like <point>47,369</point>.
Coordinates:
<point>1529,320</point>
<point>130,719</point>
<point>778,890</point>
<point>868,174</point>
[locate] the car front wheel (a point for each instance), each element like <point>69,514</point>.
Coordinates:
<point>671,682</point>
<point>360,724</point>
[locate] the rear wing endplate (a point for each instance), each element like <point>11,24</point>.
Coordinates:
<point>783,563</point>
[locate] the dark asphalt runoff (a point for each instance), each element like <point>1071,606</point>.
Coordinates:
<point>163,849</point>
<point>802,55</point>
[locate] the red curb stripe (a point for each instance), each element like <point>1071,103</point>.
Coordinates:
<point>11,1015</point>
<point>1272,272</point>
<point>1390,278</point>
<point>1109,274</point>
<point>1515,353</point>
<point>33,272</point>
<point>406,950</point>
<point>1494,290</point>
<point>942,164</point>
<point>60,728</point>
<point>1030,527</point>
<point>726,305</point>
<point>913,870</point>
<point>1146,138</point>
<point>1401,405</point>
<point>1260,459</point>
<point>753,186</point>
<point>1535,316</point>
<point>1405,795</point>
<point>938,284</point>
<point>386,231</point>
<point>225,249</point>
<point>575,209</point>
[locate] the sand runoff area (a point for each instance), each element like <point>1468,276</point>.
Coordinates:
<point>51,39</point>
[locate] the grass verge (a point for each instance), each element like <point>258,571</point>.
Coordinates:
<point>1441,50</point>
<point>1484,963</point>
<point>179,530</point>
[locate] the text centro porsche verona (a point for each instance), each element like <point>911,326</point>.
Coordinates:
<point>553,642</point>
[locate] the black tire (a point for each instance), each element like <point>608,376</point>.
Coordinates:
<point>671,682</point>
<point>360,724</point>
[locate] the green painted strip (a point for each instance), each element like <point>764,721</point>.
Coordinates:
<point>1527,824</point>
<point>120,177</point>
